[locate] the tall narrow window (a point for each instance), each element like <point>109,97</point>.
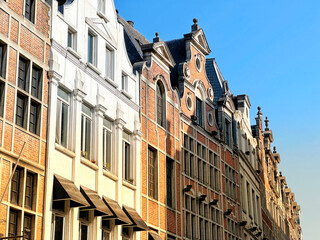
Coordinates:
<point>152,173</point>
<point>2,98</point>
<point>27,227</point>
<point>160,105</point>
<point>23,81</point>
<point>15,187</point>
<point>170,181</point>
<point>58,225</point>
<point>102,6</point>
<point>71,43</point>
<point>109,64</point>
<point>228,132</point>
<point>127,168</point>
<point>86,131</point>
<point>2,60</point>
<point>29,190</point>
<point>124,82</point>
<point>91,48</point>
<point>13,223</point>
<point>21,110</point>
<point>84,225</point>
<point>34,124</point>
<point>107,144</point>
<point>249,201</point>
<point>199,111</point>
<point>36,82</point>
<point>29,9</point>
<point>62,122</point>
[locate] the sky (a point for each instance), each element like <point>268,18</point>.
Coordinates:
<point>269,50</point>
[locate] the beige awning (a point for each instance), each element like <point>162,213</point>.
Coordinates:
<point>154,235</point>
<point>64,189</point>
<point>138,223</point>
<point>118,214</point>
<point>96,203</point>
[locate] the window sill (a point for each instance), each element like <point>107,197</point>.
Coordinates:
<point>126,94</point>
<point>74,52</point>
<point>113,83</point>
<point>103,16</point>
<point>94,68</point>
<point>128,184</point>
<point>65,150</point>
<point>89,164</point>
<point>110,175</point>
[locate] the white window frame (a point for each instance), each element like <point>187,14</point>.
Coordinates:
<point>124,82</point>
<point>85,116</point>
<point>107,129</point>
<point>73,38</point>
<point>109,64</point>
<point>60,102</point>
<point>130,160</point>
<point>94,47</point>
<point>54,215</point>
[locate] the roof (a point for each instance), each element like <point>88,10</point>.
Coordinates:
<point>215,79</point>
<point>133,40</point>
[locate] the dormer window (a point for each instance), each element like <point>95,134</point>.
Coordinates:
<point>160,105</point>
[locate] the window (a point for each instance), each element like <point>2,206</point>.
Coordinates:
<point>126,233</point>
<point>13,223</point>
<point>84,217</point>
<point>109,64</point>
<point>160,105</point>
<point>152,173</point>
<point>36,82</point>
<point>71,43</point>
<point>124,82</point>
<point>21,118</point>
<point>34,125</point>
<point>228,132</point>
<point>190,217</point>
<point>29,10</point>
<point>23,79</point>
<point>62,123</point>
<point>126,155</point>
<point>61,9</point>
<point>86,131</point>
<point>27,226</point>
<point>249,200</point>
<point>107,144</point>
<point>199,111</point>
<point>106,229</point>
<point>58,226</point>
<point>170,181</point>
<point>29,190</point>
<point>189,155</point>
<point>2,98</point>
<point>230,182</point>
<point>15,187</point>
<point>92,48</point>
<point>3,50</point>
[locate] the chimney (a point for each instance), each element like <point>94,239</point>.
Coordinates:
<point>130,22</point>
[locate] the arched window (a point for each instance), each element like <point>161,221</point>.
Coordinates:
<point>160,105</point>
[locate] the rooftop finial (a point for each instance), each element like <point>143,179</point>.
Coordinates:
<point>157,34</point>
<point>274,149</point>
<point>259,111</point>
<point>156,39</point>
<point>267,123</point>
<point>195,26</point>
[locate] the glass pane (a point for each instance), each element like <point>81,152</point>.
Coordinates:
<point>64,124</point>
<point>107,123</point>
<point>58,228</point>
<point>84,232</point>
<point>88,137</point>
<point>62,94</point>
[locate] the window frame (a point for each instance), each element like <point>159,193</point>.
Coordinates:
<point>85,119</point>
<point>32,9</point>
<point>109,64</point>
<point>72,41</point>
<point>170,185</point>
<point>3,59</point>
<point>54,216</point>
<point>160,104</point>
<point>199,111</point>
<point>92,47</point>
<point>61,101</point>
<point>124,82</point>
<point>152,173</point>
<point>127,163</point>
<point>107,130</point>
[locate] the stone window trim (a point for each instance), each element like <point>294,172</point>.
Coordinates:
<point>161,105</point>
<point>152,173</point>
<point>29,9</point>
<point>63,120</point>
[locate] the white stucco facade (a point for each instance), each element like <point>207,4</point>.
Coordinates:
<point>95,98</point>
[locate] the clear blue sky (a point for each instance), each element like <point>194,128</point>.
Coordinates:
<point>269,50</point>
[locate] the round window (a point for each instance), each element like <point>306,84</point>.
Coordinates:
<point>210,118</point>
<point>189,102</point>
<point>198,63</point>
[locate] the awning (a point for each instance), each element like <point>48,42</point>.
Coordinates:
<point>118,214</point>
<point>96,203</point>
<point>64,189</point>
<point>138,223</point>
<point>154,235</point>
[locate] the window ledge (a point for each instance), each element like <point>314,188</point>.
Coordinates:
<point>94,68</point>
<point>113,83</point>
<point>74,52</point>
<point>128,184</point>
<point>128,95</point>
<point>103,16</point>
<point>110,175</point>
<point>65,150</point>
<point>89,164</point>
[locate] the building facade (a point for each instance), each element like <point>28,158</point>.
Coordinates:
<point>94,137</point>
<point>24,55</point>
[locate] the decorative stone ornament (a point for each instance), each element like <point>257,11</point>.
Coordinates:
<point>186,71</point>
<point>210,118</point>
<point>210,93</point>
<point>189,102</point>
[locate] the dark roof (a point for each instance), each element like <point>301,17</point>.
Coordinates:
<point>178,51</point>
<point>212,74</point>
<point>133,40</point>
